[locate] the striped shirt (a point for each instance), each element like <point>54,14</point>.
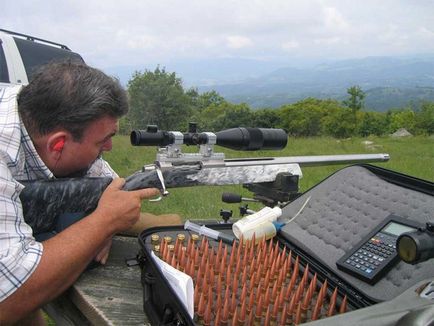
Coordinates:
<point>19,252</point>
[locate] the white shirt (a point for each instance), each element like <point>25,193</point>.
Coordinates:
<point>19,252</point>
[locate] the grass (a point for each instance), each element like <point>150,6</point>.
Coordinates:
<point>411,155</point>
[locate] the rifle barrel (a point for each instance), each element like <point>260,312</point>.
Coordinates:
<point>315,160</point>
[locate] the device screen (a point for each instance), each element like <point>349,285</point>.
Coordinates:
<point>397,229</point>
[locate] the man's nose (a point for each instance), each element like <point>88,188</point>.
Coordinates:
<point>107,146</point>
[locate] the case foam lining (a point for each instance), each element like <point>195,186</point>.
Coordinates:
<point>342,210</point>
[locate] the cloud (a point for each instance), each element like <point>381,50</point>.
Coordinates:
<point>238,42</point>
<point>109,33</point>
<point>425,33</point>
<point>328,40</point>
<point>141,42</point>
<point>334,20</point>
<point>290,45</point>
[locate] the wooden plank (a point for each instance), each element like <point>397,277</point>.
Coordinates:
<point>64,313</point>
<point>112,294</point>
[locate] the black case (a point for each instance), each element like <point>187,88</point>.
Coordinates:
<point>162,306</point>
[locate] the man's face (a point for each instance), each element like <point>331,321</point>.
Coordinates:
<point>77,157</point>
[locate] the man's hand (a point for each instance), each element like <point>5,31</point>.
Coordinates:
<point>103,254</point>
<point>67,254</point>
<point>120,208</point>
<point>148,220</point>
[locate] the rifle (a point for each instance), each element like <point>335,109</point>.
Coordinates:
<point>272,177</point>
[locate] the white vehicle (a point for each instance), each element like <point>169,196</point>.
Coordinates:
<point>21,54</point>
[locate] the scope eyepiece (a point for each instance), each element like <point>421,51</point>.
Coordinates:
<point>416,246</point>
<point>151,138</point>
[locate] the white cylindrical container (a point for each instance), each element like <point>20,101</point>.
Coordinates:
<point>244,227</point>
<point>265,229</point>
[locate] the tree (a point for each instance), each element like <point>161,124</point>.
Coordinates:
<point>304,117</point>
<point>425,118</point>
<point>356,100</point>
<point>404,118</point>
<point>266,118</point>
<point>206,117</point>
<point>372,123</point>
<point>157,97</point>
<point>235,115</point>
<point>223,116</point>
<point>206,107</point>
<point>125,126</point>
<point>338,123</point>
<point>206,99</point>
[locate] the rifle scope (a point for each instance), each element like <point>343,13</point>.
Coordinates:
<point>244,139</point>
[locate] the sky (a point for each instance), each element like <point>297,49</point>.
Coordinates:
<point>110,33</point>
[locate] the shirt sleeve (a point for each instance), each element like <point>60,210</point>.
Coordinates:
<point>19,252</point>
<point>100,168</point>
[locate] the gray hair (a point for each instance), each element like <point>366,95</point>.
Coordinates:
<point>69,95</point>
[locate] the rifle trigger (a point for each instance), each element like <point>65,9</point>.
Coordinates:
<point>164,192</point>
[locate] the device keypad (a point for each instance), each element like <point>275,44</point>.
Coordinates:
<point>380,248</point>
<point>373,256</point>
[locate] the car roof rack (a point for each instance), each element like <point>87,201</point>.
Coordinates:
<point>32,38</point>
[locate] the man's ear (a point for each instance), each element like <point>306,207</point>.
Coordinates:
<point>56,142</point>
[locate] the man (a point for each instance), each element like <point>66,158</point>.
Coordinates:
<point>57,126</point>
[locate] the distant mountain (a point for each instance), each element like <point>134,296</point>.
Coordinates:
<point>203,72</point>
<point>388,82</point>
<point>384,98</point>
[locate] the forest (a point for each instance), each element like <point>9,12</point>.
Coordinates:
<point>159,98</point>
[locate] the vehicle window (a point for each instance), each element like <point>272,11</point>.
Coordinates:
<point>4,74</point>
<point>36,54</point>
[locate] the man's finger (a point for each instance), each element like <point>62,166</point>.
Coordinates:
<point>102,256</point>
<point>117,183</point>
<point>105,258</point>
<point>148,192</point>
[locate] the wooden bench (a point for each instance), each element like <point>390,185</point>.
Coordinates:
<point>106,295</point>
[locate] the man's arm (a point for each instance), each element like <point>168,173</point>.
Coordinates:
<point>67,254</point>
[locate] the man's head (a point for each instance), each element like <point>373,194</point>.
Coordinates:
<point>71,111</point>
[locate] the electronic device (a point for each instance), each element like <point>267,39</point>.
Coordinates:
<point>373,257</point>
<point>418,246</point>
